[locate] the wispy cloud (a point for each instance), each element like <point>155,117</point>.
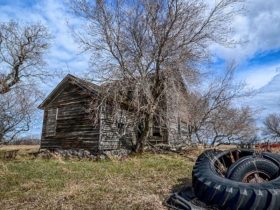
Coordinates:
<point>258,28</point>
<point>64,55</point>
<point>259,75</point>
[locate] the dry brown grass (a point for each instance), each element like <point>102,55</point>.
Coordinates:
<point>226,147</point>
<point>139,182</point>
<point>22,148</point>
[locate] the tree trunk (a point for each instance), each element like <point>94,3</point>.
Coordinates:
<point>214,141</point>
<point>141,141</point>
<point>1,138</point>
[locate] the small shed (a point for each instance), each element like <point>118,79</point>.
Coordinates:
<point>66,122</point>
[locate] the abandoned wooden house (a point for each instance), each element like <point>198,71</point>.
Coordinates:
<point>67,123</point>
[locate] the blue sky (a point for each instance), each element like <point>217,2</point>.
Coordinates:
<point>258,56</point>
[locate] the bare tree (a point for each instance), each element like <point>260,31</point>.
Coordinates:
<point>147,49</point>
<point>213,117</point>
<point>21,53</point>
<point>272,126</point>
<point>232,125</point>
<point>16,111</point>
<point>21,63</point>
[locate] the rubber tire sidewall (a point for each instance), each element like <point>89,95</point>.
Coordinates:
<point>252,164</point>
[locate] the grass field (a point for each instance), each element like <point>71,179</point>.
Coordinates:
<point>23,149</point>
<point>139,182</point>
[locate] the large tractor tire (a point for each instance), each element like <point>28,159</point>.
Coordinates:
<point>237,180</point>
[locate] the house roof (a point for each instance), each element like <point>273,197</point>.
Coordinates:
<point>90,87</point>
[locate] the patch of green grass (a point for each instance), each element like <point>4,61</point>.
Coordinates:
<point>139,182</point>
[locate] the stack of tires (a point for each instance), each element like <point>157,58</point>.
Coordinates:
<point>238,179</point>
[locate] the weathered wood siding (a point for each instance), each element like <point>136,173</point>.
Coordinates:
<point>173,129</point>
<point>67,113</point>
<point>111,136</point>
<point>51,121</point>
<point>176,127</point>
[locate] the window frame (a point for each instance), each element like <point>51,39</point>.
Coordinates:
<point>51,122</point>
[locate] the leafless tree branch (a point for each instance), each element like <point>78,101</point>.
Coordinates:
<point>21,53</point>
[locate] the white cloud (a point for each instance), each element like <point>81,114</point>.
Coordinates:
<point>259,26</point>
<point>64,54</point>
<point>258,76</point>
<point>266,100</point>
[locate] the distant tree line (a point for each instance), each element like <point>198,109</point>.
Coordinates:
<point>271,129</point>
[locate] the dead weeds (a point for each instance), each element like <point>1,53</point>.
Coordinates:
<point>138,182</point>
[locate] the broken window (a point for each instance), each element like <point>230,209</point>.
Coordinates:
<point>157,127</point>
